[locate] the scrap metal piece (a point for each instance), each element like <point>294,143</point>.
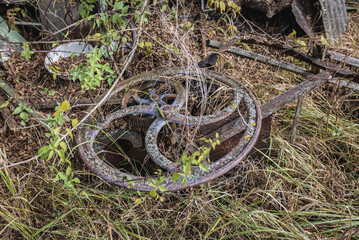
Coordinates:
<point>10,40</point>
<point>65,50</point>
<point>260,58</point>
<point>249,132</point>
<point>154,96</point>
<point>304,14</point>
<point>312,82</point>
<point>290,51</point>
<point>335,18</point>
<point>352,61</point>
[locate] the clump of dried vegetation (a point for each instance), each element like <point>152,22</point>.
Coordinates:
<point>305,190</point>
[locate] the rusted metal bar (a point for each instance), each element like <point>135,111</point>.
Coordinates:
<point>291,95</point>
<point>354,84</point>
<point>290,51</point>
<point>344,59</point>
<point>227,131</point>
<point>296,118</point>
<point>260,58</point>
<point>345,83</point>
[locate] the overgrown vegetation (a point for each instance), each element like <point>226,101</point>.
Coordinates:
<point>305,190</point>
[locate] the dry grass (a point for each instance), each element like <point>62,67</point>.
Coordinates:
<point>306,190</point>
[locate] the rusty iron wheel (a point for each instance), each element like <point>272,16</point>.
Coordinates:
<point>248,128</point>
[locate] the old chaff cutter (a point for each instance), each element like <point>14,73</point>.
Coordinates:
<point>159,115</point>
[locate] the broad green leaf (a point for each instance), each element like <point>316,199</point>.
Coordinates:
<point>187,167</point>
<point>203,167</point>
<point>138,201</point>
<point>61,154</point>
<point>68,171</point>
<point>43,152</point>
<point>50,155</point>
<point>24,116</point>
<point>63,146</point>
<point>162,188</point>
<point>184,181</point>
<point>62,176</point>
<point>118,5</point>
<point>206,151</point>
<point>153,193</point>
<point>75,122</point>
<point>57,131</point>
<point>176,177</point>
<point>195,154</point>
<point>5,104</point>
<point>76,180</point>
<point>222,6</point>
<point>17,110</point>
